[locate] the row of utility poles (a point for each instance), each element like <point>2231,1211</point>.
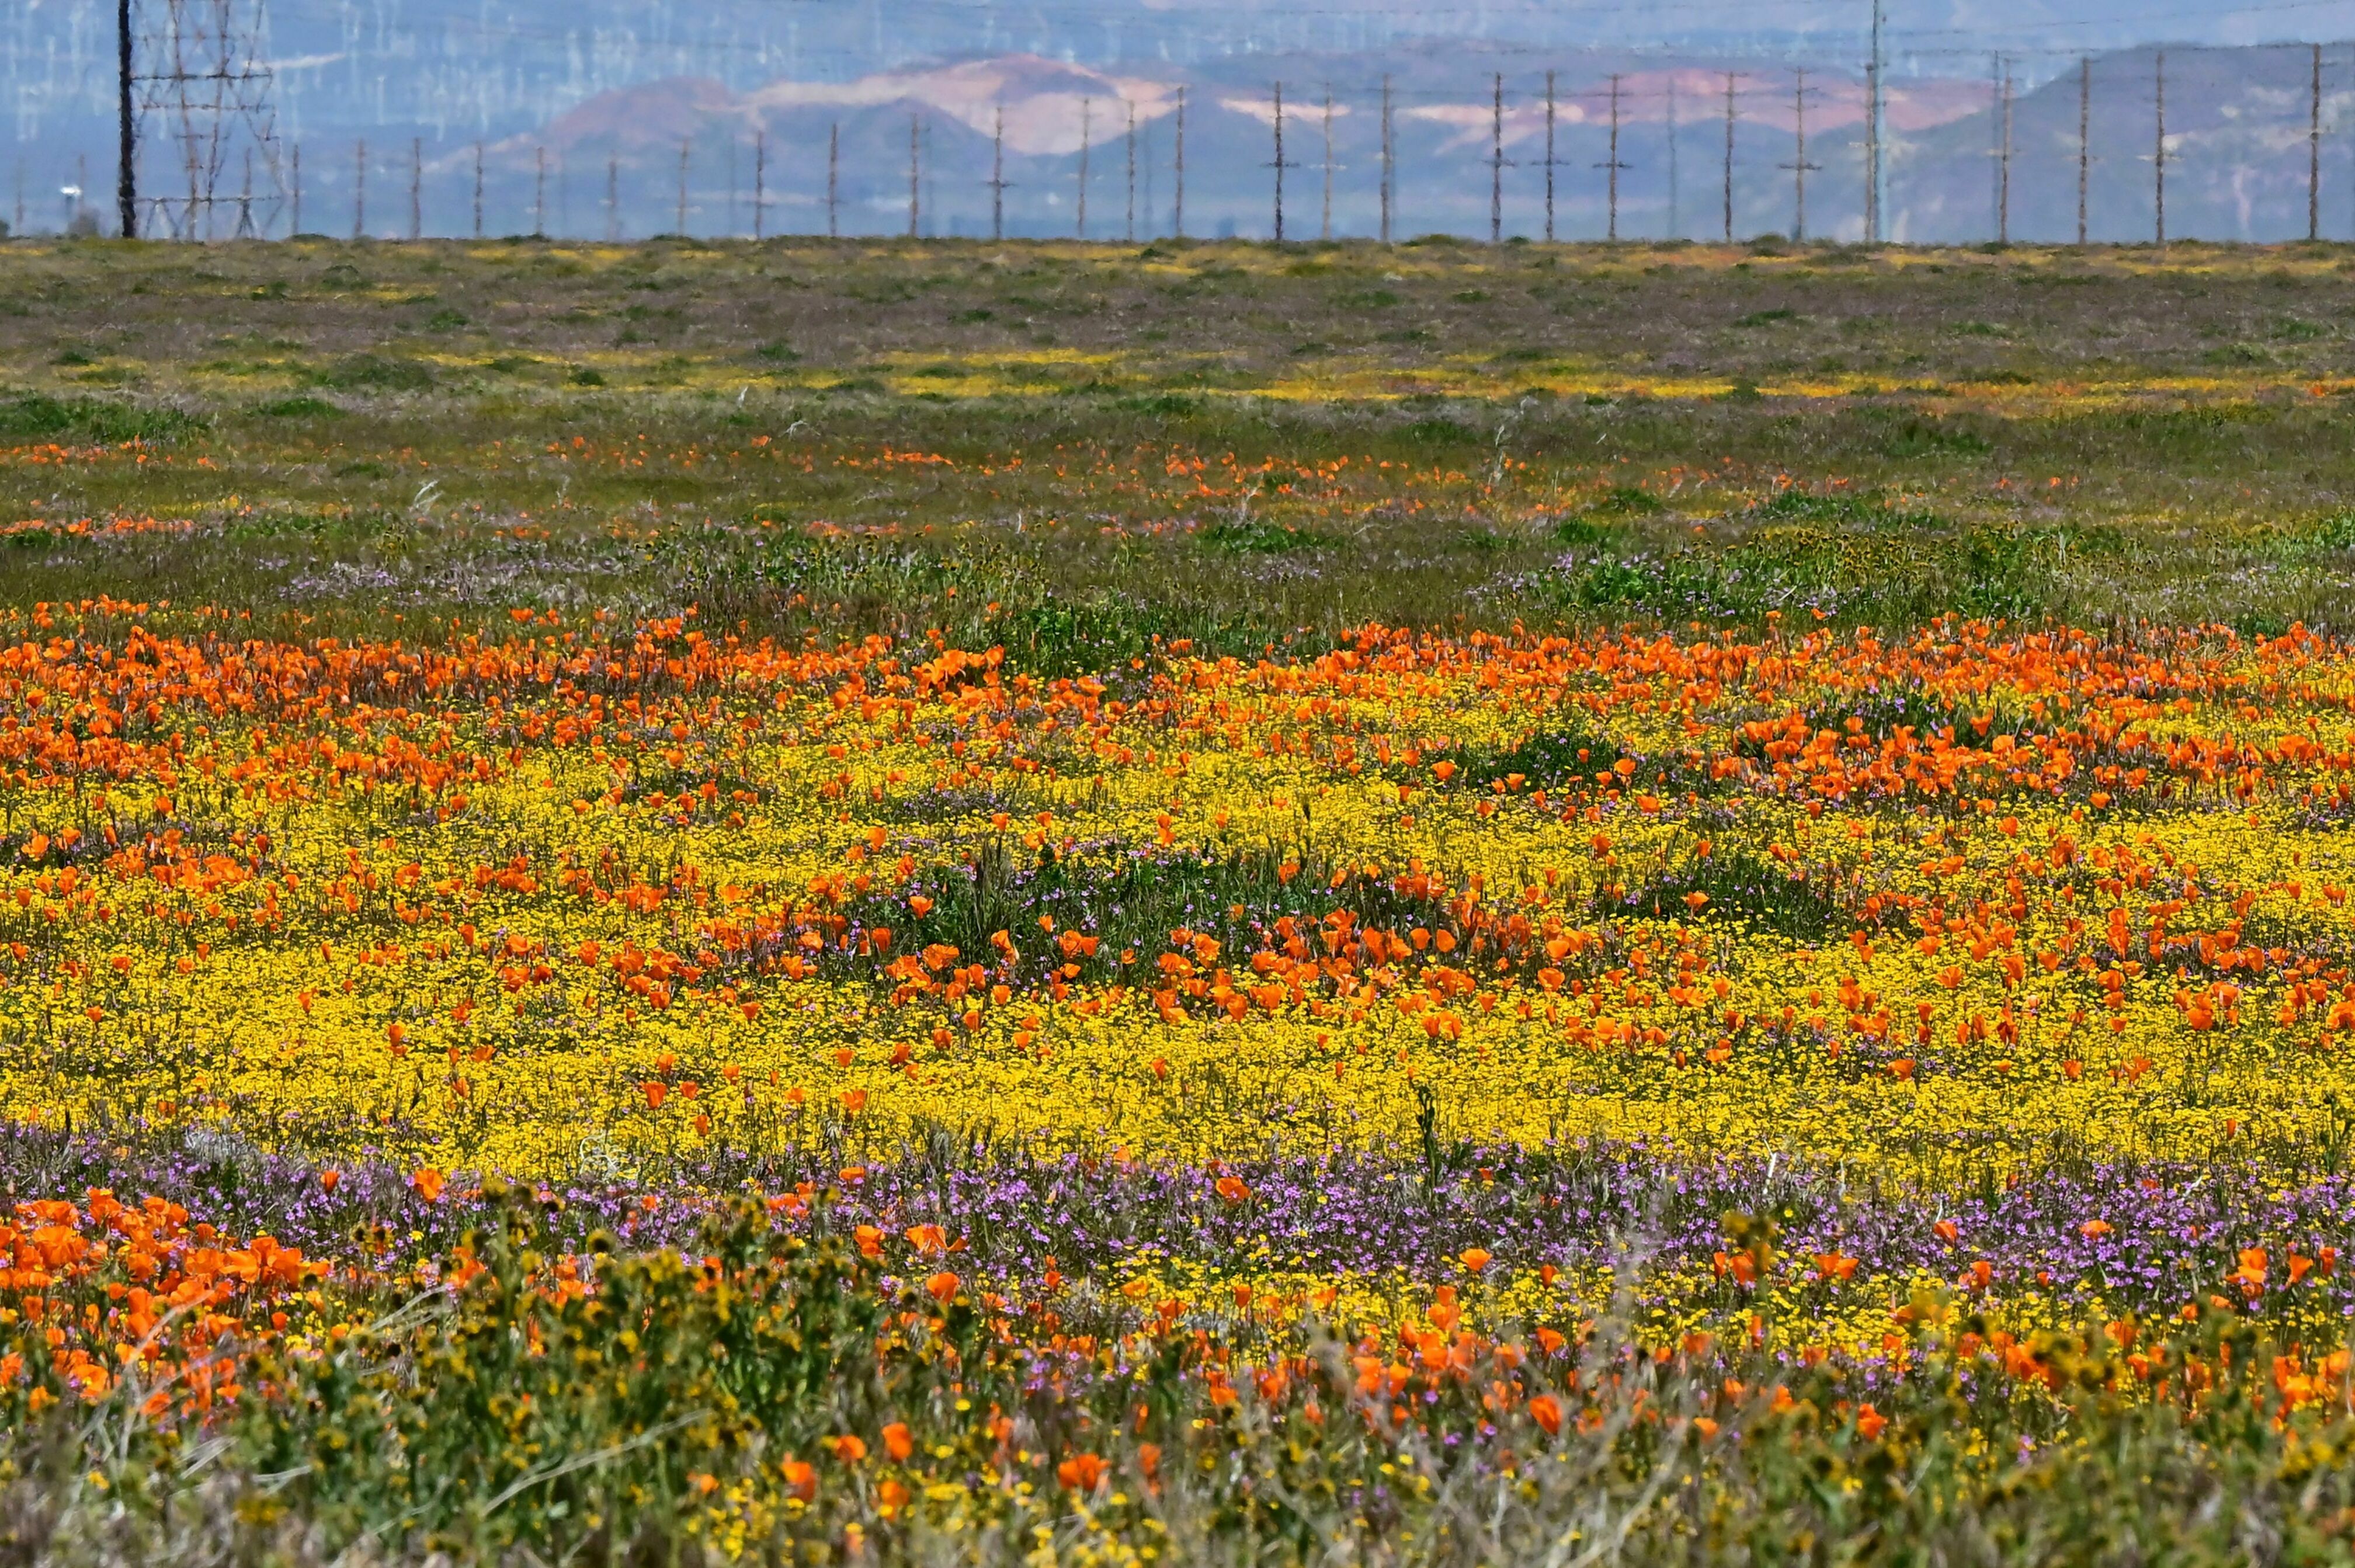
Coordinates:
<point>2000,121</point>
<point>1611,167</point>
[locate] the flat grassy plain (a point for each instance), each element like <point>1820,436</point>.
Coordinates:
<point>1281,444</point>
<point>942,902</point>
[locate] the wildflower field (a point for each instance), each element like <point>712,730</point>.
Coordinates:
<point>826,903</point>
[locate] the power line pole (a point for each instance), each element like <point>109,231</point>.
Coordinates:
<point>760,186</point>
<point>1873,135</point>
<point>2158,147</point>
<point>540,193</point>
<point>126,129</point>
<point>2085,139</point>
<point>478,190</point>
<point>612,200</point>
<point>997,176</point>
<point>359,190</point>
<point>1131,106</point>
<point>1324,228</point>
<point>1087,108</point>
<point>1389,169</point>
<point>1178,211</point>
<point>1612,165</point>
<point>1730,78</point>
<point>1279,163</point>
<point>1799,164</point>
<point>1550,117</point>
<point>833,179</point>
<point>2003,165</point>
<point>297,227</point>
<point>915,171</point>
<point>1496,164</point>
<point>2314,153</point>
<point>685,147</point>
<point>416,188</point>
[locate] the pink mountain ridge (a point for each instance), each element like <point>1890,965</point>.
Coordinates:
<point>1049,108</point>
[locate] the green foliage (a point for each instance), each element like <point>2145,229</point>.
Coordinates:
<point>37,416</point>
<point>1906,435</point>
<point>520,1415</point>
<point>1867,570</point>
<point>1800,902</point>
<point>742,1401</point>
<point>377,373</point>
<point>297,407</point>
<point>1257,536</point>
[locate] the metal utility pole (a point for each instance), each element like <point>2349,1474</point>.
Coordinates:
<point>760,186</point>
<point>1612,165</point>
<point>1799,164</point>
<point>1548,157</point>
<point>1178,209</point>
<point>2085,139</point>
<point>1729,157</point>
<point>126,129</point>
<point>1131,106</point>
<point>1324,228</point>
<point>297,215</point>
<point>359,189</point>
<point>915,168</point>
<point>1874,186</point>
<point>1389,170</point>
<point>478,190</point>
<point>2314,153</point>
<point>2159,148</point>
<point>1087,108</point>
<point>684,148</point>
<point>1496,164</point>
<point>997,176</point>
<point>2003,165</point>
<point>1279,163</point>
<point>833,179</point>
<point>612,200</point>
<point>416,187</point>
<point>540,193</point>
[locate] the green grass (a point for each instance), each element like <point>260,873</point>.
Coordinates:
<point>1996,444</point>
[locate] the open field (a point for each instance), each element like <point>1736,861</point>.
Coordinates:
<point>945,902</point>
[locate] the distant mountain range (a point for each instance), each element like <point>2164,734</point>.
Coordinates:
<point>2237,154</point>
<point>582,113</point>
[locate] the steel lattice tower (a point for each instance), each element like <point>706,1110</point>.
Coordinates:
<point>199,82</point>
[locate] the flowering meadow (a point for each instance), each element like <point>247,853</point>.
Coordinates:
<point>1701,1051</point>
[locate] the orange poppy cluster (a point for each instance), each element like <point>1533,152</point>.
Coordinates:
<point>105,1294</point>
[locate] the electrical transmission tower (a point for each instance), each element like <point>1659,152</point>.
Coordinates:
<point>196,78</point>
